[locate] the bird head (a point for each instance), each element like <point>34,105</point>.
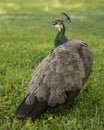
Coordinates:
<point>58,24</point>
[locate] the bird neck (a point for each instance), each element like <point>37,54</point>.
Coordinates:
<point>60,37</point>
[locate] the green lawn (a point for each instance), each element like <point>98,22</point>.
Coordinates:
<point>26,38</point>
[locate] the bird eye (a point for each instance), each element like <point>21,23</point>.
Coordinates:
<point>56,23</point>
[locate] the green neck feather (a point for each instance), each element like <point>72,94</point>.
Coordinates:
<point>60,38</point>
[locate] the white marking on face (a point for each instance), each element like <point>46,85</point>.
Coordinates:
<point>59,26</point>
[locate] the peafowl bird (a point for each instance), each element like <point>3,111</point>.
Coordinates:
<point>59,77</point>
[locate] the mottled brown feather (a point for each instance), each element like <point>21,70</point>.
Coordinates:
<point>66,69</point>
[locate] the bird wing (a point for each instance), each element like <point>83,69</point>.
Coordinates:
<point>58,78</point>
<point>61,71</point>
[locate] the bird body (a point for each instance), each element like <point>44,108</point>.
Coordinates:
<point>59,78</point>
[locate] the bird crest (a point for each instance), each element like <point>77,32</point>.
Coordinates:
<point>65,17</point>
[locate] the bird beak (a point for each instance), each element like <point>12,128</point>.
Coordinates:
<point>50,25</point>
<point>53,24</point>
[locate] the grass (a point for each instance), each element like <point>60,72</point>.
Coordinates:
<point>26,38</point>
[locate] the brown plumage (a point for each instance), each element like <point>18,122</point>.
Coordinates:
<point>57,79</point>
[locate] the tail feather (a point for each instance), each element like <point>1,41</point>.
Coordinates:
<point>30,110</point>
<point>38,109</point>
